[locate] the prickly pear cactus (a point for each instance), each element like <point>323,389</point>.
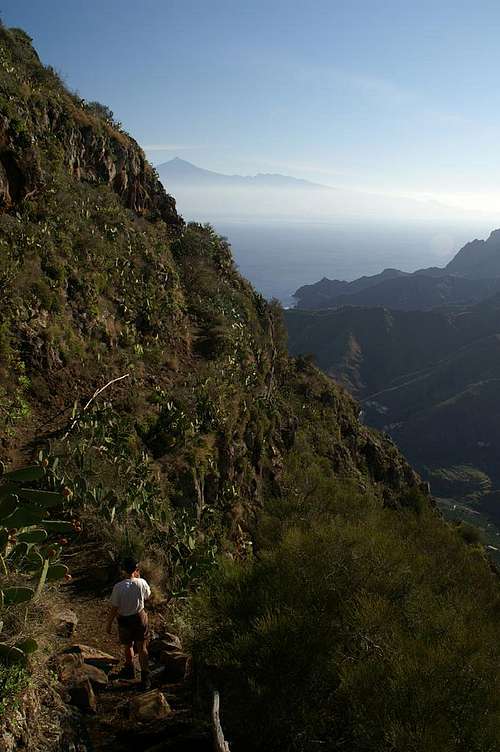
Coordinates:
<point>26,527</point>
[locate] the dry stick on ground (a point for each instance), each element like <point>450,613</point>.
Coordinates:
<point>87,405</point>
<point>220,744</point>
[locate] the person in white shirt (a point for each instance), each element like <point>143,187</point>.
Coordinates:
<point>127,606</point>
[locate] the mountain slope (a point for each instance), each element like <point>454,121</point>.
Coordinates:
<point>402,292</point>
<point>99,280</point>
<point>320,294</point>
<point>447,414</point>
<point>429,378</point>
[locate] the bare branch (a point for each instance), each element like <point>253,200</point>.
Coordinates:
<point>87,405</point>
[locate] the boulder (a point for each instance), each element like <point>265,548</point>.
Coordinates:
<point>149,706</point>
<point>81,674</point>
<point>66,622</point>
<point>167,644</point>
<point>175,665</point>
<point>94,656</point>
<point>172,639</point>
<point>96,676</point>
<point>82,695</point>
<point>67,664</point>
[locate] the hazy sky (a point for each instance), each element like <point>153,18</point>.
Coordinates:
<point>391,95</point>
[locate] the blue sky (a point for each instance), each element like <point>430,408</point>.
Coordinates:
<point>391,96</point>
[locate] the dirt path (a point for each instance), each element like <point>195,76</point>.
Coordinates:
<point>115,726</point>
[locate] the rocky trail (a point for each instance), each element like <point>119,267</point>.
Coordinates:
<point>112,714</point>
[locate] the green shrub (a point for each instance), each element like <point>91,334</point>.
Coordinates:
<point>360,627</point>
<point>469,534</point>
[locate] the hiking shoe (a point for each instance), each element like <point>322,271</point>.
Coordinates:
<point>127,672</point>
<point>145,681</point>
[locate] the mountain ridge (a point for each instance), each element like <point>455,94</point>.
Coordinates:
<point>181,170</point>
<point>275,195</point>
<point>473,274</point>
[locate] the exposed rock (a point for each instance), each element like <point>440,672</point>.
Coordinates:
<point>82,695</point>
<point>168,651</point>
<point>67,665</point>
<point>94,149</point>
<point>170,643</point>
<point>149,706</point>
<point>72,670</point>
<point>175,665</point>
<point>173,639</point>
<point>66,622</point>
<point>96,676</point>
<point>93,656</point>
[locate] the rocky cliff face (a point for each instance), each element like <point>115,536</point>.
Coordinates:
<point>39,116</point>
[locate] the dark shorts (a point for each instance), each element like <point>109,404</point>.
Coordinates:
<point>133,628</point>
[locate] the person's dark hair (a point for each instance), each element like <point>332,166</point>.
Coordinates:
<point>130,564</point>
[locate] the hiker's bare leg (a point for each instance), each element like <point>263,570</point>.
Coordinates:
<point>128,651</point>
<point>142,651</point>
<point>128,671</point>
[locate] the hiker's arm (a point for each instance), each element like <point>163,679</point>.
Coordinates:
<point>113,611</point>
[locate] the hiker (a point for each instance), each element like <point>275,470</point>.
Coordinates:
<point>127,605</point>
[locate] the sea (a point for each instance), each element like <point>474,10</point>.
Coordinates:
<point>280,256</point>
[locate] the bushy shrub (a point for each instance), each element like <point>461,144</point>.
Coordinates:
<point>469,534</point>
<point>101,110</point>
<point>360,628</point>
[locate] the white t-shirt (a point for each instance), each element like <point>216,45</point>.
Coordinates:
<point>129,595</point>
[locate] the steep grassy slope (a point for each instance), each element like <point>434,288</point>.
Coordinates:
<point>215,444</point>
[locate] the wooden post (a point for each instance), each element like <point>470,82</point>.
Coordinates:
<point>220,744</point>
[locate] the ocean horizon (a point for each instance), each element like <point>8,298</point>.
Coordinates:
<point>278,257</point>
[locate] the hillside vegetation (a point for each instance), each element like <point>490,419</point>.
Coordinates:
<point>299,549</point>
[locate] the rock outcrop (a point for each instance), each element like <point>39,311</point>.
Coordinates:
<point>44,116</point>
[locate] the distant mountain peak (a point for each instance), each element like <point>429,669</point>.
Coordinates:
<point>180,163</point>
<point>178,169</point>
<point>479,258</point>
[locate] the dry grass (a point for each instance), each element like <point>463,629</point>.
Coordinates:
<point>117,135</point>
<point>154,570</point>
<point>36,716</point>
<point>39,718</point>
